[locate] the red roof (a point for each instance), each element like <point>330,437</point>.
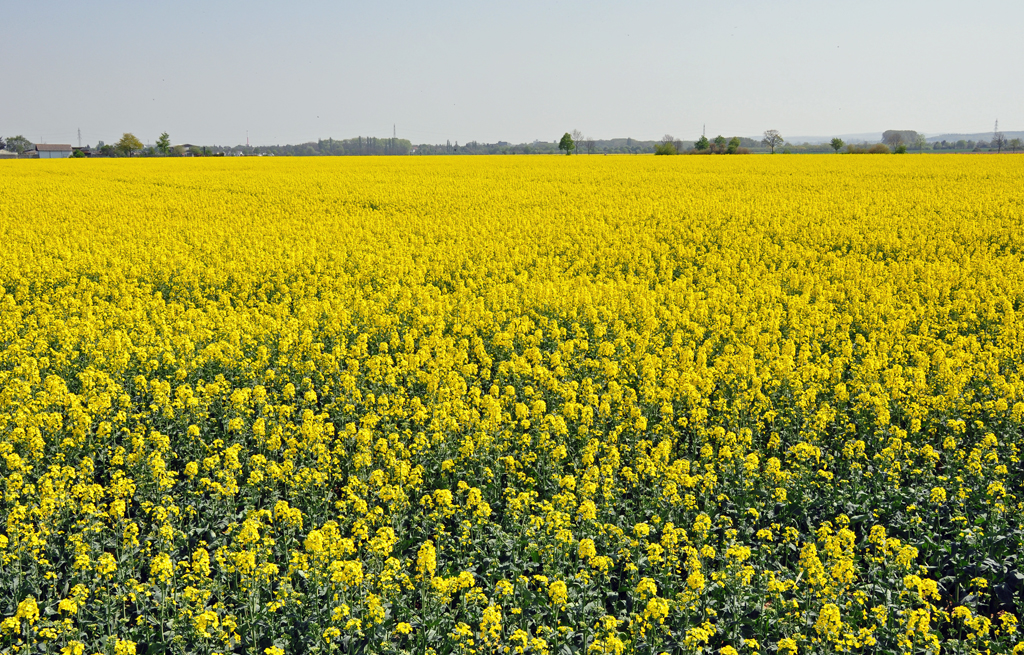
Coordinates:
<point>52,147</point>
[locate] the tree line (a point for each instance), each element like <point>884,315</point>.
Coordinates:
<point>720,145</point>
<point>575,142</point>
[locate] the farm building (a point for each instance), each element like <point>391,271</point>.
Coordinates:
<point>53,150</point>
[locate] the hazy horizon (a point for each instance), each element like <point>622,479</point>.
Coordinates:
<point>212,72</point>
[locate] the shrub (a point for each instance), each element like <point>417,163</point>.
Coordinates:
<point>877,149</point>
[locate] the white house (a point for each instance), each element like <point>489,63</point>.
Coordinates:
<point>53,150</point>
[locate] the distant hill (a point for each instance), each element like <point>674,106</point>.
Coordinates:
<point>863,137</point>
<point>977,136</point>
<point>875,137</point>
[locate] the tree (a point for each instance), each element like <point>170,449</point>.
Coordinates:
<point>566,144</point>
<point>734,145</point>
<point>3,144</point>
<point>128,144</point>
<point>589,145</point>
<point>921,142</point>
<point>18,144</point>
<point>577,140</point>
<point>837,144</point>
<point>702,144</point>
<point>667,146</point>
<point>163,144</point>
<point>999,141</point>
<point>1015,144</point>
<point>773,139</point>
<point>893,138</point>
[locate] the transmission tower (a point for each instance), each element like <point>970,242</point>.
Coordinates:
<point>79,137</point>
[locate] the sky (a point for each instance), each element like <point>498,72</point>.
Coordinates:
<point>221,71</point>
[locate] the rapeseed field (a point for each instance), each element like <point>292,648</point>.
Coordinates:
<point>543,405</point>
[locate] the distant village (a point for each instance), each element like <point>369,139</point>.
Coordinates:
<point>66,151</point>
